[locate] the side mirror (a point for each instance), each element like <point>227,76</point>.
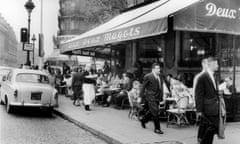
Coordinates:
<point>4,78</point>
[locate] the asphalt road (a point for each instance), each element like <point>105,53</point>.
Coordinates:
<point>31,126</point>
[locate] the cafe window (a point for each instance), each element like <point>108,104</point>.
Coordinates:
<point>150,50</point>
<point>226,44</point>
<point>194,46</point>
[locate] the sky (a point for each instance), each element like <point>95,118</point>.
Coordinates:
<point>14,12</point>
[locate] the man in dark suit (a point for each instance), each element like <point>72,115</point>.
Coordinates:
<point>152,93</point>
<point>77,81</point>
<point>207,103</point>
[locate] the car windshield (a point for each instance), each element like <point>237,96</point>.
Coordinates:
<point>32,78</point>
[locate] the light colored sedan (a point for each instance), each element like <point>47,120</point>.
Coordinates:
<point>27,88</point>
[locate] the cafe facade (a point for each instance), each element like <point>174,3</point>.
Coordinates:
<point>177,34</point>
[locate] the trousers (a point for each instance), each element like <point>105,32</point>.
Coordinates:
<point>152,113</point>
<point>207,129</point>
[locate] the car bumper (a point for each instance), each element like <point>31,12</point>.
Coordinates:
<point>31,104</point>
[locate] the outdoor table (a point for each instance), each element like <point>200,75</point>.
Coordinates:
<point>110,91</point>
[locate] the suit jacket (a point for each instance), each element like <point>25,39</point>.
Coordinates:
<point>206,96</point>
<point>77,79</point>
<point>151,90</point>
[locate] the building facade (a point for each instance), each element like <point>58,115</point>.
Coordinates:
<point>8,44</point>
<point>78,16</point>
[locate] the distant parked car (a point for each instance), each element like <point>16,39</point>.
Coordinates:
<point>27,88</point>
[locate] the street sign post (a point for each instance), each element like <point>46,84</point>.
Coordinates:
<point>27,46</point>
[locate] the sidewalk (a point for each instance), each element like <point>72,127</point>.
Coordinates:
<point>115,127</point>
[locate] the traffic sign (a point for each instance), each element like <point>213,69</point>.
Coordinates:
<point>28,46</point>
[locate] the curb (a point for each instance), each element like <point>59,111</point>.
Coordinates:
<point>95,132</point>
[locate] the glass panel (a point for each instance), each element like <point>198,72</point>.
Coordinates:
<point>151,50</point>
<point>195,46</point>
<point>4,72</point>
<point>227,59</point>
<point>32,78</point>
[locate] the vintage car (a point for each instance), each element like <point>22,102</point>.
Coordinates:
<point>27,88</point>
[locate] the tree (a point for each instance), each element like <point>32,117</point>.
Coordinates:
<point>104,10</point>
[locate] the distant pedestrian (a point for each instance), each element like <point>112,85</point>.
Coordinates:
<point>88,87</point>
<point>207,103</point>
<point>65,68</point>
<point>77,81</point>
<point>152,93</point>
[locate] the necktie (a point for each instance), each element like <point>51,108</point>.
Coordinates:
<point>159,82</point>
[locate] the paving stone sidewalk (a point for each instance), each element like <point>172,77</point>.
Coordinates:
<point>115,127</point>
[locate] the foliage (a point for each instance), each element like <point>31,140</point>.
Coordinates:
<point>101,11</point>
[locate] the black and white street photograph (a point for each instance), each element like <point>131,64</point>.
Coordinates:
<point>119,71</point>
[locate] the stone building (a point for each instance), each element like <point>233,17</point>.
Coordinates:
<point>8,44</point>
<point>78,16</point>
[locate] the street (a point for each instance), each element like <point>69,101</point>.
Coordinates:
<point>31,126</point>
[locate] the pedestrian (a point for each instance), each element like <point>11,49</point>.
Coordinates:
<point>52,80</point>
<point>65,68</point>
<point>152,94</point>
<point>77,81</point>
<point>204,68</point>
<point>207,103</point>
<point>88,87</point>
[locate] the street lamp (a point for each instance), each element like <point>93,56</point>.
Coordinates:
<point>29,5</point>
<point>33,40</point>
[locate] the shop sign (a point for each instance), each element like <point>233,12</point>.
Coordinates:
<point>27,46</point>
<point>84,53</point>
<point>122,34</point>
<point>221,12</point>
<point>221,16</point>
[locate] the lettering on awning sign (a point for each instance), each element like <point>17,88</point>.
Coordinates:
<point>84,53</point>
<point>27,46</point>
<point>146,29</point>
<point>214,10</point>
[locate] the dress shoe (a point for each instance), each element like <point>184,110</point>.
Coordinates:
<point>87,108</point>
<point>157,131</point>
<point>142,124</point>
<point>106,105</point>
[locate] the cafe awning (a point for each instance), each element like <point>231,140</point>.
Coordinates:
<point>218,16</point>
<point>143,22</point>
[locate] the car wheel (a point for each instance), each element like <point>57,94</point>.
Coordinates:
<point>1,102</point>
<point>8,106</point>
<point>49,111</point>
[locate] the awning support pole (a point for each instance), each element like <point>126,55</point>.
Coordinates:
<point>234,64</point>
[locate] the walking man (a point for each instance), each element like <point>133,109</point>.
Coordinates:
<point>207,103</point>
<point>152,93</point>
<point>77,81</point>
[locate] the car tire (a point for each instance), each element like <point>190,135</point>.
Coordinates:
<point>1,102</point>
<point>49,111</point>
<point>8,106</point>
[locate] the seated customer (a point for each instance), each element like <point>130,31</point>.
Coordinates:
<point>179,90</point>
<point>134,93</point>
<point>227,86</point>
<point>126,85</point>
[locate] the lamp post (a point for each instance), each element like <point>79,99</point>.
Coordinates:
<point>29,5</point>
<point>33,40</point>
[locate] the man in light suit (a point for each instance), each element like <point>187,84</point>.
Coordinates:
<point>207,103</point>
<point>152,93</point>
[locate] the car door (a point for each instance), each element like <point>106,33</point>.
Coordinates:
<point>6,88</point>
